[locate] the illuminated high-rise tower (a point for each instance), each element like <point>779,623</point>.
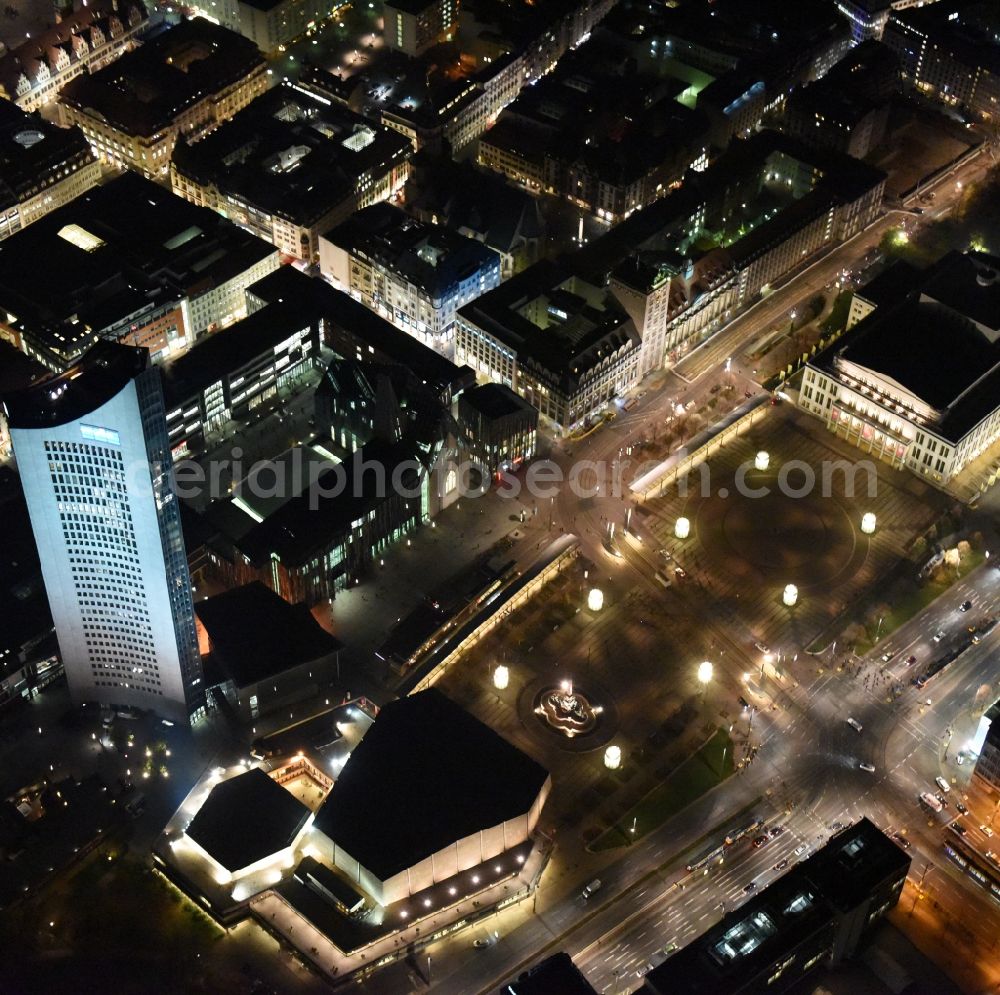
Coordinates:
<point>94,460</point>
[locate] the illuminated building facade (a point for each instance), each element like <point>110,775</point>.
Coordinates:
<point>186,81</point>
<point>92,453</point>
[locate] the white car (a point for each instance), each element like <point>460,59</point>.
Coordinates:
<point>986,831</point>
<point>854,724</point>
<point>799,850</point>
<point>942,784</point>
<point>870,768</point>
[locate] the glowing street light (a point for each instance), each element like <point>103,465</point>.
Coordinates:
<point>705,671</point>
<point>682,528</point>
<point>762,460</point>
<point>613,757</point>
<point>790,595</point>
<point>501,677</point>
<point>868,523</point>
<point>595,600</point>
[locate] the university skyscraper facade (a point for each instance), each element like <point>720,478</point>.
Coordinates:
<point>92,452</point>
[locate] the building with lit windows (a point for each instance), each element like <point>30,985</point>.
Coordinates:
<point>127,261</point>
<point>413,26</point>
<point>41,167</point>
<point>560,341</point>
<point>85,37</point>
<point>875,387</point>
<point>413,273</point>
<point>498,428</point>
<point>92,453</point>
<point>290,166</point>
<point>599,133</point>
<point>184,82</point>
<point>813,916</point>
<point>227,376</point>
<point>867,18</point>
<point>950,52</point>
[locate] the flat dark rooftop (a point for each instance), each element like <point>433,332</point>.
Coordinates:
<point>247,818</point>
<point>149,88</point>
<point>257,634</point>
<point>496,400</point>
<point>224,352</point>
<point>556,975</point>
<point>99,376</point>
<point>426,775</point>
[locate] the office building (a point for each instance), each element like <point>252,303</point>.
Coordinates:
<point>413,26</point>
<point>227,377</point>
<point>41,167</point>
<point>498,428</point>
<point>84,38</point>
<point>127,261</point>
<point>815,915</point>
<point>986,747</point>
<point>267,23</point>
<point>556,975</point>
<point>867,18</point>
<point>560,341</point>
<point>414,274</point>
<point>92,453</point>
<point>606,137</point>
<point>290,166</point>
<point>876,387</point>
<point>261,652</point>
<point>421,753</point>
<point>950,52</point>
<point>848,109</point>
<point>184,82</point>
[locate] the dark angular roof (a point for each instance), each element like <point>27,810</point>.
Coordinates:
<point>495,400</point>
<point>247,818</point>
<point>257,634</point>
<point>99,376</point>
<point>426,774</point>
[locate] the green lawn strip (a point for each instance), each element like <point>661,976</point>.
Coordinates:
<point>706,768</point>
<point>915,601</point>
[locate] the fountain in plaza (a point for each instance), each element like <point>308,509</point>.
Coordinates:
<point>567,710</point>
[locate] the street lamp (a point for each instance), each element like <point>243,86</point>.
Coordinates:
<point>790,595</point>
<point>682,528</point>
<point>613,757</point>
<point>868,521</point>
<point>501,677</point>
<point>762,460</point>
<point>595,599</point>
<point>704,672</point>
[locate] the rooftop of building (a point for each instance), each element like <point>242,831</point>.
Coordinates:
<point>324,514</point>
<point>31,55</point>
<point>99,376</point>
<point>247,818</point>
<point>422,753</point>
<point>495,400</point>
<point>800,904</point>
<point>950,311</point>
<point>213,358</point>
<point>970,29</point>
<point>550,315</point>
<point>836,178</point>
<point>113,252</point>
<point>256,634</point>
<point>144,91</point>
<point>386,341</point>
<point>474,201</point>
<point>556,975</point>
<point>431,257</point>
<point>293,154</point>
<point>34,151</point>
